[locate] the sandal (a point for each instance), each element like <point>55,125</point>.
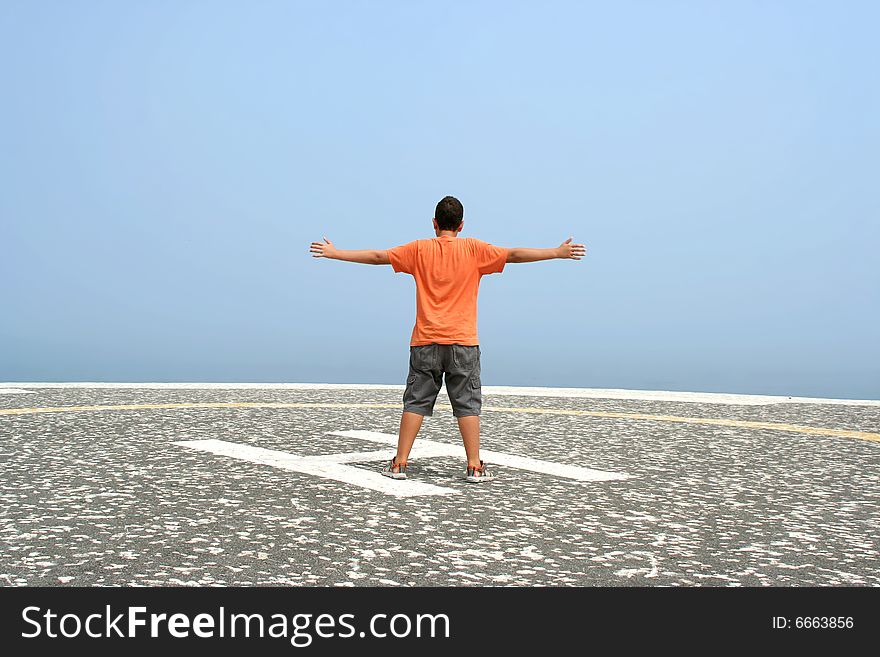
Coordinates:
<point>479,474</point>
<point>395,470</point>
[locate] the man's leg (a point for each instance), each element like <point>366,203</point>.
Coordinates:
<point>422,386</point>
<point>463,387</point>
<point>469,426</point>
<point>410,423</point>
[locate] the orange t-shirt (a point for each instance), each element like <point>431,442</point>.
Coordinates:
<point>447,270</point>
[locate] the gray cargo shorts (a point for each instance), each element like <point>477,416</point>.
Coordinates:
<point>427,365</point>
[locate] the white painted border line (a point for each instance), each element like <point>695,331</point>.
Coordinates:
<point>585,393</point>
<point>423,448</point>
<point>327,467</point>
<point>15,391</point>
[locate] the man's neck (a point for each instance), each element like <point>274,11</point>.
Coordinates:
<point>447,233</point>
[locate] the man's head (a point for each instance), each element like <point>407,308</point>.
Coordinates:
<point>449,214</point>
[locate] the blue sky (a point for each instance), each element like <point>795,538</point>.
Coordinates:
<point>166,164</point>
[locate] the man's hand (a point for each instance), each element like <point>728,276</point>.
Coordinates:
<point>567,250</point>
<point>326,249</point>
<point>322,250</point>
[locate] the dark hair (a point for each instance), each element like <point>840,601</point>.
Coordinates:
<point>449,213</point>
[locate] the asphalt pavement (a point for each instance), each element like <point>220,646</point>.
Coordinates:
<point>701,491</point>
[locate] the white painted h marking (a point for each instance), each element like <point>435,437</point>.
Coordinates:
<point>333,466</point>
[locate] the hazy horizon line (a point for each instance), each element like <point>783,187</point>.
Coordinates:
<point>528,391</point>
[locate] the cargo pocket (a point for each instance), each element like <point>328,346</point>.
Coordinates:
<point>476,392</point>
<point>409,393</point>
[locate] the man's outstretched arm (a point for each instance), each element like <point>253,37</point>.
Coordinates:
<point>326,249</point>
<point>566,251</point>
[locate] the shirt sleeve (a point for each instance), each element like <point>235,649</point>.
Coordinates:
<point>490,258</point>
<point>403,257</point>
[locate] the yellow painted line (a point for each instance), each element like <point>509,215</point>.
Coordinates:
<point>724,422</point>
<point>134,407</point>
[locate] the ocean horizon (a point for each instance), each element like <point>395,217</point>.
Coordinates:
<point>18,387</point>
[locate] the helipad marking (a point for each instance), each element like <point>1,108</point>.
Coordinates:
<point>748,424</point>
<point>328,466</point>
<point>495,458</point>
<point>333,466</point>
